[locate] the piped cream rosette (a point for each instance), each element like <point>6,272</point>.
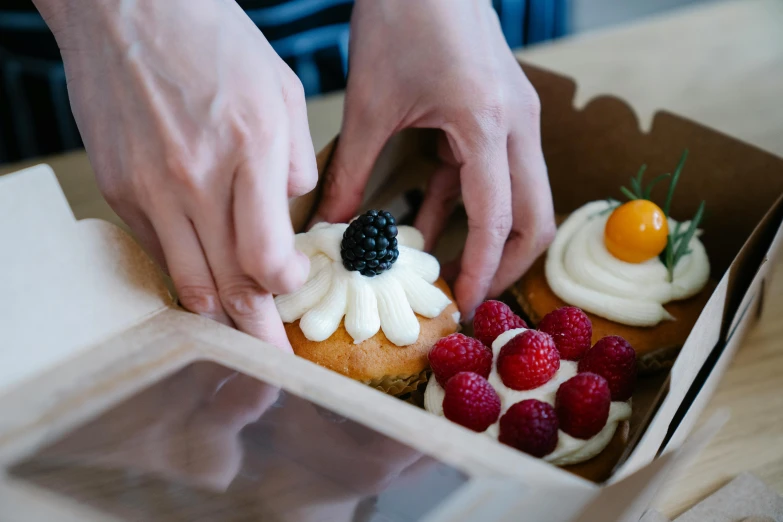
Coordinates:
<point>388,301</point>
<point>582,272</point>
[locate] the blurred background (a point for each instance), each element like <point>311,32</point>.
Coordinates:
<point>310,35</point>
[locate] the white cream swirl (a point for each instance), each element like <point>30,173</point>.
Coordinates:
<point>569,450</point>
<point>388,301</point>
<point>582,272</point>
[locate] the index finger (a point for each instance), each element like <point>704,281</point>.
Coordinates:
<point>533,225</point>
<point>486,192</point>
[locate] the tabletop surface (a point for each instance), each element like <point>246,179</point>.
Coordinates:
<point>720,64</point>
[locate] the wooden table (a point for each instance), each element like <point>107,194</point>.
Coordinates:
<point>720,64</point>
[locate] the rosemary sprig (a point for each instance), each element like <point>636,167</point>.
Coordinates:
<point>613,204</point>
<point>636,183</point>
<point>667,205</point>
<point>630,195</point>
<point>678,240</point>
<point>668,253</point>
<point>655,181</point>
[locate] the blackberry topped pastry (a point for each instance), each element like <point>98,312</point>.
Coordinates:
<point>373,304</point>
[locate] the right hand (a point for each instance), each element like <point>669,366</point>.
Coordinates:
<point>197,132</point>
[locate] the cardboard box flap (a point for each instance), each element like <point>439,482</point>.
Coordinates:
<point>626,499</point>
<point>590,153</point>
<point>690,361</point>
<point>66,284</point>
<point>695,367</point>
<point>504,499</point>
<point>603,143</point>
<point>714,366</point>
<point>759,247</point>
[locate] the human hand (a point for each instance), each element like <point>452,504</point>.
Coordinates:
<point>445,65</point>
<point>197,132</point>
<point>186,428</point>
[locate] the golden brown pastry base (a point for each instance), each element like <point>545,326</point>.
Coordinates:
<point>656,347</point>
<point>599,468</point>
<point>397,370</point>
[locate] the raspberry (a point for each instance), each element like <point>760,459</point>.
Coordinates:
<point>492,319</point>
<point>530,426</point>
<point>571,330</point>
<point>471,401</point>
<point>615,360</point>
<point>582,405</point>
<point>528,360</point>
<point>458,353</point>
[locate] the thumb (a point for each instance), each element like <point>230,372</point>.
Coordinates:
<point>358,147</point>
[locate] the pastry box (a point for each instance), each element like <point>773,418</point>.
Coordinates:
<point>115,404</point>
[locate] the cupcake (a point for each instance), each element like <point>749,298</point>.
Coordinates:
<point>549,395</point>
<point>637,273</point>
<point>373,304</point>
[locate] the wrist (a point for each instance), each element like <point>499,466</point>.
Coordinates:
<point>74,18</point>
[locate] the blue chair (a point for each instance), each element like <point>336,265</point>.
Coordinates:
<point>35,116</point>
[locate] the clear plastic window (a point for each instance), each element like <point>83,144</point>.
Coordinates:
<point>208,443</point>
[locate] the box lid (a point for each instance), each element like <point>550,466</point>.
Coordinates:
<point>65,284</point>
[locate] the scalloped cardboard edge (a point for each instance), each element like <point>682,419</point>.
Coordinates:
<point>88,359</point>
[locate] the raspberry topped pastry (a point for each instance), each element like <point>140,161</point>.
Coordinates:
<point>631,267</point>
<point>548,394</point>
<point>373,304</point>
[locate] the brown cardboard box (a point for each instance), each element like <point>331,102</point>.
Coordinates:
<point>87,323</point>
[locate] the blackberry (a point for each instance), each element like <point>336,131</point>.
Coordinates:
<point>369,243</point>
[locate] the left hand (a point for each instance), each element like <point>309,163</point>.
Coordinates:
<point>186,428</point>
<point>446,65</point>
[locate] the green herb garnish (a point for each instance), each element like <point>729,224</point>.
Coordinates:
<point>678,240</point>
<point>613,204</point>
<point>640,191</point>
<point>667,205</point>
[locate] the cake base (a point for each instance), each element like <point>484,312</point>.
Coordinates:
<point>377,362</point>
<point>656,347</point>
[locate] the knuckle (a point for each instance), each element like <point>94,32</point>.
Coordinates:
<point>531,106</point>
<point>545,236</point>
<point>178,165</point>
<point>293,90</point>
<point>271,269</point>
<point>199,299</point>
<point>485,117</point>
<point>498,225</point>
<point>262,132</point>
<point>265,262</point>
<point>240,300</point>
<point>241,132</point>
<point>490,113</point>
<point>113,191</point>
<point>301,180</point>
<point>184,170</point>
<point>147,187</point>
<point>249,125</point>
<point>116,186</point>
